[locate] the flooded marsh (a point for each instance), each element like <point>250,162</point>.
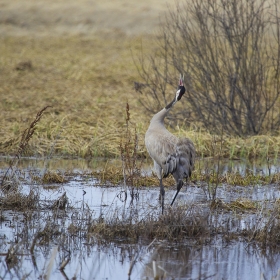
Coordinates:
<point>83,229</point>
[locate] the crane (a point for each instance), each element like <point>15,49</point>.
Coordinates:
<point>171,155</point>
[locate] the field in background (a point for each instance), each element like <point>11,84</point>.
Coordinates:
<point>77,56</point>
<point>86,17</point>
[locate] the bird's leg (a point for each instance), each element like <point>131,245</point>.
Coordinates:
<point>162,192</point>
<point>179,186</point>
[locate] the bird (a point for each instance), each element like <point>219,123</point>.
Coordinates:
<point>171,155</point>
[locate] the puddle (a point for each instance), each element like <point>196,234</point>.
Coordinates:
<point>213,259</point>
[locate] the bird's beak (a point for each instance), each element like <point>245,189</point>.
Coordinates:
<point>181,83</point>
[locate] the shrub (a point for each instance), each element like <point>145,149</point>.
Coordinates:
<point>229,52</point>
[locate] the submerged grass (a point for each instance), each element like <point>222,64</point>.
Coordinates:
<point>236,179</point>
<point>113,175</point>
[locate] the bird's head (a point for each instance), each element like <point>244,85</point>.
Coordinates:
<point>181,89</point>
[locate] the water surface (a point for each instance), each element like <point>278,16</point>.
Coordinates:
<point>212,257</point>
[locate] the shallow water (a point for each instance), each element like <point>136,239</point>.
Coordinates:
<point>213,259</point>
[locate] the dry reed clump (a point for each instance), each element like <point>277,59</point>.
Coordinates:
<point>176,224</point>
<point>73,229</point>
<point>53,177</point>
<point>47,234</point>
<point>12,258</point>
<point>10,184</point>
<point>239,205</point>
<point>268,236</point>
<point>266,232</point>
<point>18,201</point>
<point>12,198</point>
<point>61,202</point>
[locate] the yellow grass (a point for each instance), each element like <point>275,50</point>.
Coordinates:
<point>87,77</point>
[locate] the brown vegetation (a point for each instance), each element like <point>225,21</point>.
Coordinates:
<point>88,79</point>
<point>176,224</point>
<point>229,53</point>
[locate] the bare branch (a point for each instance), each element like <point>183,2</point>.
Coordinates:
<point>229,52</point>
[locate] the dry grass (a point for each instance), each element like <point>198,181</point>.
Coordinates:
<point>113,175</point>
<point>15,200</point>
<point>236,179</point>
<point>175,224</point>
<point>266,231</point>
<point>53,177</point>
<point>239,205</point>
<point>261,146</point>
<point>36,17</point>
<point>87,81</point>
<point>84,91</point>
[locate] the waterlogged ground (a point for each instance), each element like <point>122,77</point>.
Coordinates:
<point>208,257</point>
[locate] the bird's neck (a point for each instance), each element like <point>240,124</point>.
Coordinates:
<point>171,104</point>
<point>159,117</point>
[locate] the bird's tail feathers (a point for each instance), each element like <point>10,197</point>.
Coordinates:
<point>170,165</point>
<point>181,163</point>
<point>186,154</point>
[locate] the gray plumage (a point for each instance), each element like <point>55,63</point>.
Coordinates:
<point>171,155</point>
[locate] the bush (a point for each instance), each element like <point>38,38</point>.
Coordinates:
<point>229,52</point>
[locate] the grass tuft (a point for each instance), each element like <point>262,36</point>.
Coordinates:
<point>18,201</point>
<point>240,205</point>
<point>176,224</point>
<point>53,177</point>
<point>25,138</point>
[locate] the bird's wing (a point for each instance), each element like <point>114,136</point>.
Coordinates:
<point>162,149</point>
<point>185,152</point>
<point>170,165</point>
<point>173,155</point>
